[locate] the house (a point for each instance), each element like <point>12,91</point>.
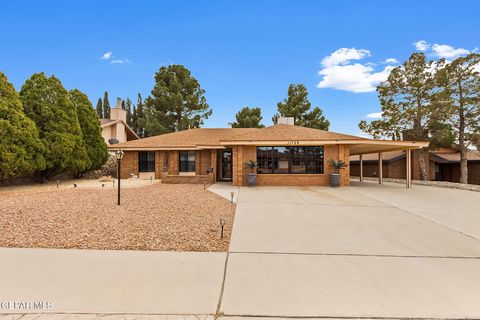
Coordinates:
<point>116,127</point>
<point>286,154</point>
<point>442,165</point>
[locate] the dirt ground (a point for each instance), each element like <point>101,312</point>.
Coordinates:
<point>155,217</point>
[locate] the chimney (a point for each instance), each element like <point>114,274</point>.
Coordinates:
<point>118,113</point>
<point>286,120</point>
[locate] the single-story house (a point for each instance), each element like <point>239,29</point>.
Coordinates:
<point>116,127</point>
<point>286,154</point>
<point>442,165</point>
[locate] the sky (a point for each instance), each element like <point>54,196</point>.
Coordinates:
<point>243,53</point>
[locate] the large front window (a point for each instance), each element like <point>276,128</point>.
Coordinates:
<point>290,160</point>
<point>146,161</point>
<point>187,161</point>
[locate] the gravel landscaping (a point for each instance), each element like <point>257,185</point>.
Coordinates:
<point>156,217</point>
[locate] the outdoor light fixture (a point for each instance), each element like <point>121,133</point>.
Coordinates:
<point>231,196</point>
<point>119,155</point>
<point>222,224</point>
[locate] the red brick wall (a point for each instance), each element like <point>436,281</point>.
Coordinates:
<point>129,164</point>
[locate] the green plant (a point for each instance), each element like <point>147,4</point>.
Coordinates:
<point>252,165</point>
<point>337,165</point>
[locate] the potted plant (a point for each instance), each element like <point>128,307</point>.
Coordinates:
<point>335,177</point>
<point>252,175</point>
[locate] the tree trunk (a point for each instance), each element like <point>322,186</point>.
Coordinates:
<point>463,165</point>
<point>461,137</point>
<point>422,165</point>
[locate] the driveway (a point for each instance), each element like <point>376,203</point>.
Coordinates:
<point>363,251</point>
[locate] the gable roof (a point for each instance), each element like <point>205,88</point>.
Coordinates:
<point>104,123</point>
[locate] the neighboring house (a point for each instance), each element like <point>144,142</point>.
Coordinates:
<point>442,165</point>
<point>116,127</point>
<point>286,154</point>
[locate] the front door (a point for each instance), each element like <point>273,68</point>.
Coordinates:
<point>226,165</point>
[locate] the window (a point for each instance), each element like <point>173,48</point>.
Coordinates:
<point>146,161</point>
<point>187,161</point>
<point>291,160</point>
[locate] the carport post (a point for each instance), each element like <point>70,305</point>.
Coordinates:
<point>408,175</point>
<point>380,168</point>
<point>361,167</point>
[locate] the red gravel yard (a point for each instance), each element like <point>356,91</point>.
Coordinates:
<point>157,217</point>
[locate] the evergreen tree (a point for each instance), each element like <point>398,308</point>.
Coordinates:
<point>177,101</point>
<point>298,106</point>
<point>141,118</point>
<point>106,106</point>
<point>46,102</point>
<point>459,82</point>
<point>91,131</point>
<point>248,118</point>
<point>100,108</point>
<point>408,111</point>
<point>20,147</point>
<point>134,120</point>
<point>128,107</point>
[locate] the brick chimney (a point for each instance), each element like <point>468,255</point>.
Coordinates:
<point>118,113</point>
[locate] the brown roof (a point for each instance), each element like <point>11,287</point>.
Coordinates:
<point>185,139</point>
<point>455,156</point>
<point>282,132</point>
<point>105,121</point>
<point>448,156</point>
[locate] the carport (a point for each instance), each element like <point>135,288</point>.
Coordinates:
<point>379,146</point>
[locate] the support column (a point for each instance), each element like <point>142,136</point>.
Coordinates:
<point>380,168</point>
<point>361,167</point>
<point>408,162</point>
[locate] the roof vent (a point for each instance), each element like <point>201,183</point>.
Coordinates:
<point>286,120</point>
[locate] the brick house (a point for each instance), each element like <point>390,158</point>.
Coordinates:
<point>116,127</point>
<point>442,165</point>
<point>286,154</point>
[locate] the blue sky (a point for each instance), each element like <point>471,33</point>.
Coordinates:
<point>244,53</point>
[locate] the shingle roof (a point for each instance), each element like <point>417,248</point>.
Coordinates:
<point>455,156</point>
<point>186,139</point>
<point>282,132</point>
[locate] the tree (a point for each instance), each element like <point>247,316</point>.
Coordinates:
<point>20,147</point>
<point>248,118</point>
<point>459,97</point>
<point>106,106</point>
<point>91,131</point>
<point>47,103</point>
<point>408,111</point>
<point>128,107</point>
<point>298,106</point>
<point>177,101</point>
<point>141,118</point>
<point>100,108</point>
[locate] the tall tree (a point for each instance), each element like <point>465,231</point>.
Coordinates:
<point>408,111</point>
<point>100,108</point>
<point>47,103</point>
<point>298,106</point>
<point>128,107</point>
<point>177,101</point>
<point>91,131</point>
<point>459,82</point>
<point>106,106</point>
<point>141,118</point>
<point>20,147</point>
<point>248,118</point>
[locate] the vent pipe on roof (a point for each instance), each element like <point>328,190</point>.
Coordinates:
<point>286,120</point>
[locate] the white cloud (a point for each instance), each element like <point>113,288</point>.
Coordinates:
<point>448,52</point>
<point>339,73</point>
<point>421,45</point>
<point>119,61</point>
<point>391,61</point>
<point>374,115</point>
<point>107,55</point>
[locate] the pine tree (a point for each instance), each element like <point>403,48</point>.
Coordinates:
<point>46,102</point>
<point>298,106</point>
<point>100,108</point>
<point>141,118</point>
<point>91,131</point>
<point>177,101</point>
<point>128,107</point>
<point>248,118</point>
<point>106,106</point>
<point>20,147</point>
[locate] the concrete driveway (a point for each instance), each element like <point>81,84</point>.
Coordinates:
<point>363,251</point>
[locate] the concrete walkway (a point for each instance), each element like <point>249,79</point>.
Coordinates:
<point>365,251</point>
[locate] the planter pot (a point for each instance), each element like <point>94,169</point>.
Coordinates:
<point>335,180</point>
<point>251,179</point>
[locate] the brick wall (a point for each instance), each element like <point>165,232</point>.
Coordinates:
<point>129,164</point>
<point>242,154</point>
